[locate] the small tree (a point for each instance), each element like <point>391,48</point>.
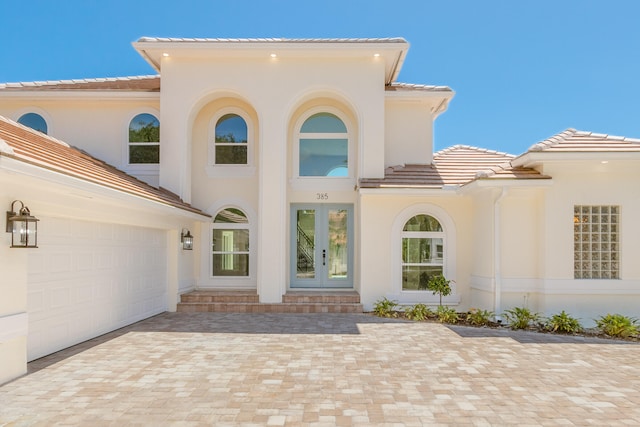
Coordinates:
<point>439,285</point>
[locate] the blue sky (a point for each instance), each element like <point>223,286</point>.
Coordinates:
<point>522,70</point>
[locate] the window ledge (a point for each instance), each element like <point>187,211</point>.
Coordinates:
<point>230,171</point>
<point>142,167</point>
<point>323,183</point>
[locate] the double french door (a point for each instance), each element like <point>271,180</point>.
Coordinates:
<point>322,246</point>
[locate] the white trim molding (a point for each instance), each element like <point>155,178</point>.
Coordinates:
<point>13,326</point>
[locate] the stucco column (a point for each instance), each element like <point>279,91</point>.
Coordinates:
<point>173,255</point>
<point>272,256</point>
<point>175,146</point>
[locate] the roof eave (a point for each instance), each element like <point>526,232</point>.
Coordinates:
<point>533,158</point>
<point>393,51</point>
<point>540,182</point>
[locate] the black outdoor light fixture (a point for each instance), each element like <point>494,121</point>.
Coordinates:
<point>186,239</point>
<point>22,226</point>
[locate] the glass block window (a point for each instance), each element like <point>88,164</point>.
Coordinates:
<point>596,242</point>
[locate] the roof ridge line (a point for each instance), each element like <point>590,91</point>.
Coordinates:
<point>471,147</point>
<point>77,81</point>
<point>147,39</point>
<point>553,140</point>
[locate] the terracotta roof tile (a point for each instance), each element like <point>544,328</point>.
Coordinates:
<point>30,146</point>
<point>132,83</point>
<point>572,140</point>
<point>409,87</point>
<point>454,166</point>
<point>270,40</point>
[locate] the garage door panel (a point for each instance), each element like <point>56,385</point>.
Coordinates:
<point>98,278</point>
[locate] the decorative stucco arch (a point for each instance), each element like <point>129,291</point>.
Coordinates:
<point>449,267</point>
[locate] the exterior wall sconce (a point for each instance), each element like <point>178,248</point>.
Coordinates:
<point>186,239</point>
<point>22,226</point>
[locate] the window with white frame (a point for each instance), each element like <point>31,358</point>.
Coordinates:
<point>144,139</point>
<point>231,140</point>
<point>422,251</point>
<point>596,242</point>
<point>34,121</point>
<point>323,147</point>
<point>230,244</point>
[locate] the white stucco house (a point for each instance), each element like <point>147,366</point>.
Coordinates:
<point>297,165</point>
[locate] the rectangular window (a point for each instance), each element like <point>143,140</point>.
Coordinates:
<point>596,242</point>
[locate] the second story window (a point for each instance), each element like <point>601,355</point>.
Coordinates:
<point>34,121</point>
<point>231,142</point>
<point>323,147</point>
<point>144,139</point>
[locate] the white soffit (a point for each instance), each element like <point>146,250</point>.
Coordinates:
<point>390,50</point>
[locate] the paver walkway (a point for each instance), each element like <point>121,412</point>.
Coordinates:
<point>290,369</point>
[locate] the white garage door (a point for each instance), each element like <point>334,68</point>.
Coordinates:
<point>87,278</point>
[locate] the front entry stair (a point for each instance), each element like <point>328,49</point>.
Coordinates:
<point>240,301</point>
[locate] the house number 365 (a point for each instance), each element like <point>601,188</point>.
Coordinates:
<point>322,196</point>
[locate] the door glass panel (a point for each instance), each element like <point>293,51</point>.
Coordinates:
<point>306,244</point>
<point>338,245</point>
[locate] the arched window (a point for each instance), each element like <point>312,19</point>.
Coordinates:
<point>34,121</point>
<point>230,244</point>
<point>144,139</point>
<point>231,140</point>
<point>422,251</point>
<point>323,149</point>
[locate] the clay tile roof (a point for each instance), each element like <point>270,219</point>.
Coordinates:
<point>572,140</point>
<point>453,166</point>
<point>409,87</point>
<point>271,40</point>
<point>132,83</point>
<point>27,145</point>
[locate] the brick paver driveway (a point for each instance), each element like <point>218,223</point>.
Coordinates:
<point>277,369</point>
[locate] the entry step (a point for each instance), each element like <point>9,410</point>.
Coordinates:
<point>241,301</point>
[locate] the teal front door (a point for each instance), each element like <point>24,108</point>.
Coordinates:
<point>322,246</point>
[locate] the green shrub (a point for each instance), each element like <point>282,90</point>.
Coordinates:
<point>418,312</point>
<point>447,314</point>
<point>439,285</point>
<point>521,318</point>
<point>385,308</point>
<point>563,323</point>
<point>617,325</point>
<point>479,317</point>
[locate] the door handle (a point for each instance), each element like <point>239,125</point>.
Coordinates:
<point>324,256</point>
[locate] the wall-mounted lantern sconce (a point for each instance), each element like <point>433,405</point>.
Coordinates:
<point>186,239</point>
<point>22,226</point>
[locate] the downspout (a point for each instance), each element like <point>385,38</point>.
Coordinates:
<point>497,255</point>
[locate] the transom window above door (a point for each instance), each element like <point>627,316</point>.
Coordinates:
<point>323,147</point>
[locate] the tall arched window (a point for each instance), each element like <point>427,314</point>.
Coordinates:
<point>230,244</point>
<point>144,139</point>
<point>422,251</point>
<point>34,121</point>
<point>231,140</point>
<point>323,149</point>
